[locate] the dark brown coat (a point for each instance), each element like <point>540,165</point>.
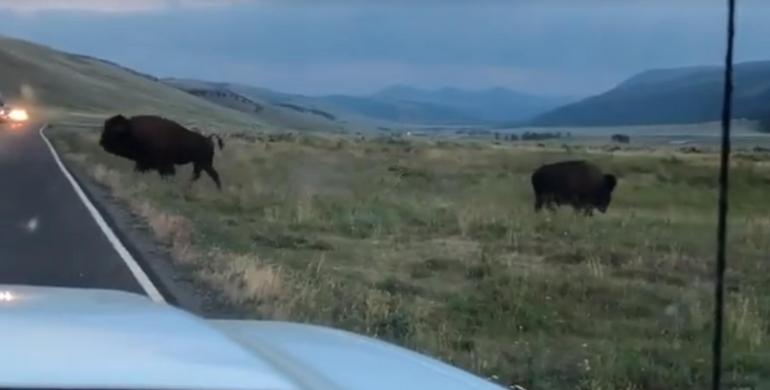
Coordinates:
<point>577,183</point>
<point>156,143</point>
<point>621,138</point>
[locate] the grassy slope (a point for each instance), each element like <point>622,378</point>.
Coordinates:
<point>435,246</point>
<point>342,114</point>
<point>57,84</point>
<point>282,117</point>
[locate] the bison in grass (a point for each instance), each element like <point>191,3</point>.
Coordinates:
<point>577,183</point>
<point>156,143</point>
<point>620,138</point>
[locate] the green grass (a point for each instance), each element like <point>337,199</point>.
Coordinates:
<point>435,246</point>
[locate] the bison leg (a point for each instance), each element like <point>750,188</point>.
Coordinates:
<point>538,203</point>
<point>167,170</point>
<point>551,202</point>
<point>196,172</point>
<point>142,167</point>
<point>546,201</point>
<point>578,204</point>
<point>582,208</point>
<point>213,174</point>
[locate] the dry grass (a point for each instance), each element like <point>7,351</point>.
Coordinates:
<point>746,323</point>
<point>246,279</point>
<point>435,246</point>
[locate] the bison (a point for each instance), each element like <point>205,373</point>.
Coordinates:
<point>156,143</point>
<point>620,138</point>
<point>577,183</point>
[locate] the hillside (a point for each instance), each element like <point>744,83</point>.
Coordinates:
<point>493,105</point>
<point>317,105</point>
<point>54,83</point>
<point>669,96</point>
<point>58,84</point>
<point>283,112</point>
<point>446,106</point>
<point>360,113</point>
<point>400,106</point>
<point>402,111</point>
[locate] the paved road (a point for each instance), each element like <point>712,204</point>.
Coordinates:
<point>47,235</point>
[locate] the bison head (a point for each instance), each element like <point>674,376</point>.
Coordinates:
<point>605,195</point>
<point>116,136</point>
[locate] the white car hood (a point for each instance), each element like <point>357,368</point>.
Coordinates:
<point>89,339</point>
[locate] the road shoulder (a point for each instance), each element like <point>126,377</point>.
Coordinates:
<point>176,284</point>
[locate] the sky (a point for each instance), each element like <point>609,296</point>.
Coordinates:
<point>317,47</point>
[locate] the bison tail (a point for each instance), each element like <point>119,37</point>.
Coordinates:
<point>219,140</point>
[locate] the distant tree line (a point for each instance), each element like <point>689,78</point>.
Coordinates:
<point>226,94</point>
<point>531,136</point>
<point>621,138</point>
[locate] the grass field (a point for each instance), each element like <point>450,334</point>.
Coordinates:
<point>434,245</point>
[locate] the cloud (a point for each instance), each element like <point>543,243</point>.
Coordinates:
<point>109,6</point>
<point>358,46</point>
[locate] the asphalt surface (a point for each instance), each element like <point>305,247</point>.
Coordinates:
<point>47,235</point>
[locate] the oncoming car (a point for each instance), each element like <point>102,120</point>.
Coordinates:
<point>10,114</point>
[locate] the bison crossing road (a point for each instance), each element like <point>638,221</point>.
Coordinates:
<point>156,143</point>
<point>577,183</point>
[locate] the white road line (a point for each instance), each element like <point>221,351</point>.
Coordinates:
<point>136,270</point>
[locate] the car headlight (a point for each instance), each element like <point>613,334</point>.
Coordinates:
<point>6,296</point>
<point>18,115</point>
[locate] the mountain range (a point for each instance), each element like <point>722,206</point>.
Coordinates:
<point>449,105</point>
<point>401,105</point>
<point>670,96</point>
